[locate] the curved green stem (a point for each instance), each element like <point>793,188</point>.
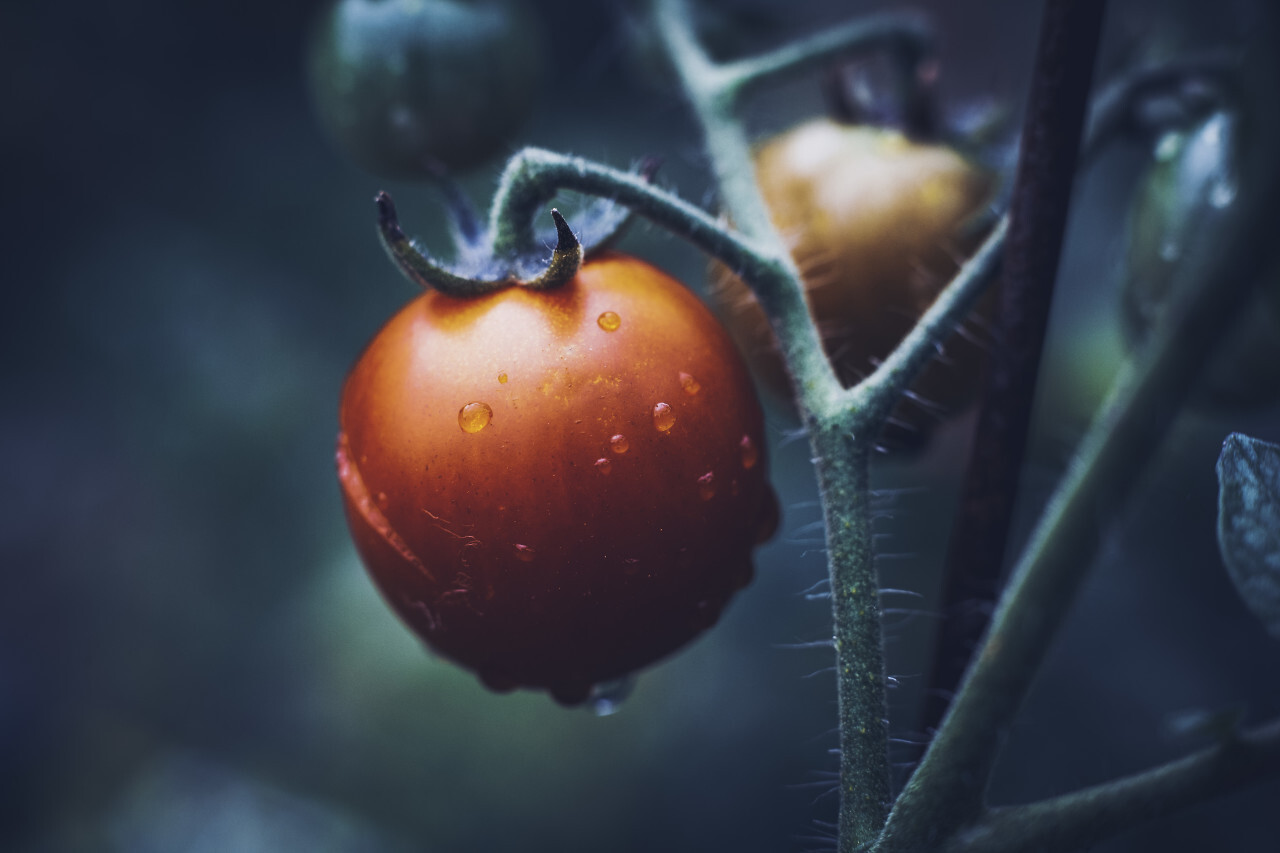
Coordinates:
<point>534,175</point>
<point>907,33</point>
<point>1083,818</point>
<point>712,93</point>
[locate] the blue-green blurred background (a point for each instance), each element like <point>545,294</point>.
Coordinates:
<point>191,658</point>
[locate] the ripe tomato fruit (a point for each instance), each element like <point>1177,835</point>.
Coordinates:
<point>396,82</point>
<point>554,488</point>
<point>874,222</point>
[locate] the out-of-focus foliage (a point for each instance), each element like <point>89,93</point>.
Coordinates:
<point>1249,523</point>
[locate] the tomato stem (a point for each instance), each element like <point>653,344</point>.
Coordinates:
<point>844,483</point>
<point>1056,113</point>
<point>566,258</point>
<point>908,33</point>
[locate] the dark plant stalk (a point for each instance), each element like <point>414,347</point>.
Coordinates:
<point>1082,818</point>
<point>1051,135</point>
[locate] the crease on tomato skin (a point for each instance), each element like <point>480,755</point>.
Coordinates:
<point>359,497</point>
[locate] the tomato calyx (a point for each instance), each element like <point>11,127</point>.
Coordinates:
<point>480,266</point>
<point>474,275</point>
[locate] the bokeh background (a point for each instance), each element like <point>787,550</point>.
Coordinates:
<point>191,658</point>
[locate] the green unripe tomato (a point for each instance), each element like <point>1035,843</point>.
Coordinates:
<point>1192,179</point>
<point>398,83</point>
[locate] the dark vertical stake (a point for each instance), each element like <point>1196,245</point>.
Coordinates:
<point>1051,136</point>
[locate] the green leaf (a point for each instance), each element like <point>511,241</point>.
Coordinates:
<point>1249,523</point>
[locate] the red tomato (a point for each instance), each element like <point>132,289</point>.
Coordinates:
<point>874,221</point>
<point>555,488</point>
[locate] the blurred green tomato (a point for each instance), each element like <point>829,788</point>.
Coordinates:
<point>399,83</point>
<point>1191,179</point>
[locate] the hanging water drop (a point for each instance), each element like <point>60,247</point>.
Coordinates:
<point>690,385</point>
<point>607,697</point>
<point>619,444</point>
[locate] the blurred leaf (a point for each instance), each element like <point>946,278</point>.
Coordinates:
<point>1221,724</point>
<point>1249,523</point>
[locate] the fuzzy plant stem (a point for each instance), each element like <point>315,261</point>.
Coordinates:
<point>1052,130</point>
<point>841,440</point>
<point>842,424</point>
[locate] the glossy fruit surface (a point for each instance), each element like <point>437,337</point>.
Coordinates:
<point>1191,180</point>
<point>398,81</point>
<point>876,224</point>
<point>555,488</point>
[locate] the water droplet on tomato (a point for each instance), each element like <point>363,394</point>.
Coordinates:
<point>619,443</point>
<point>609,321</point>
<point>750,455</point>
<point>707,486</point>
<point>607,697</point>
<point>524,553</point>
<point>663,418</point>
<point>690,385</point>
<point>474,417</point>
<point>502,378</point>
<point>383,500</point>
<point>603,465</point>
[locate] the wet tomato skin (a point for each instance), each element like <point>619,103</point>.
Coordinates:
<point>555,488</point>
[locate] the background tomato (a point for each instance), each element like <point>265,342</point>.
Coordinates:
<point>876,224</point>
<point>397,81</point>
<point>1191,178</point>
<point>554,488</point>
